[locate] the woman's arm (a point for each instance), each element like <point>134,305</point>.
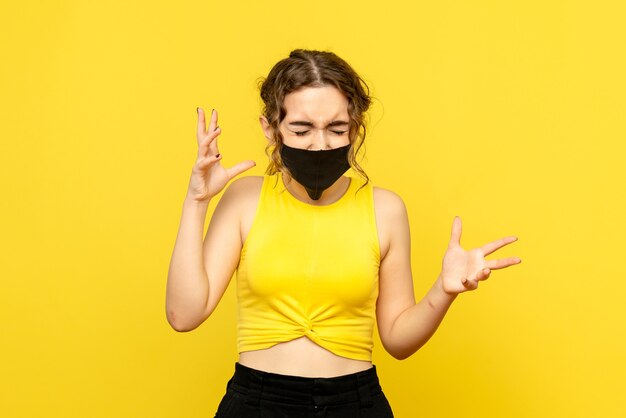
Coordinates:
<point>187,282</point>
<point>404,326</point>
<point>199,272</point>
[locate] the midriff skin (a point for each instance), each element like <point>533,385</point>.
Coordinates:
<point>301,357</point>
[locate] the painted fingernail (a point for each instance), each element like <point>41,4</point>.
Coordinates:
<point>218,155</point>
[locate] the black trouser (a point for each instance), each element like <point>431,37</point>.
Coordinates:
<point>253,393</point>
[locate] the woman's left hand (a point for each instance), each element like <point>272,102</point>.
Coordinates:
<point>463,269</point>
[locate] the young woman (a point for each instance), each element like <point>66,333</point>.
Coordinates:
<point>319,256</point>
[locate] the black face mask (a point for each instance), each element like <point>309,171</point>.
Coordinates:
<point>315,170</point>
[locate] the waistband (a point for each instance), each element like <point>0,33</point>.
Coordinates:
<point>318,391</point>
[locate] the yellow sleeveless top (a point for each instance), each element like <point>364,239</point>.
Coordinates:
<point>310,271</point>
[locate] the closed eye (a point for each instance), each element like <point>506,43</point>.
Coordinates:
<point>302,133</point>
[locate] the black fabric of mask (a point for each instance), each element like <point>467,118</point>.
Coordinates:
<point>315,170</point>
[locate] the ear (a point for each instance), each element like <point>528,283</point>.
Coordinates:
<point>267,129</point>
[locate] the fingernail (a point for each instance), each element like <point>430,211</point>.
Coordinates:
<point>218,155</point>
<point>212,111</point>
<point>217,127</point>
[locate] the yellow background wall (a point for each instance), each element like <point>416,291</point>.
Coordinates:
<point>509,114</point>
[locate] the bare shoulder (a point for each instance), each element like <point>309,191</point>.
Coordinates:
<point>388,203</point>
<point>241,199</point>
<point>243,189</point>
<point>391,218</point>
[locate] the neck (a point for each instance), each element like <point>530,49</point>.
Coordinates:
<point>330,195</point>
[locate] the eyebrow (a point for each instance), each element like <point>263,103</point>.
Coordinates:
<point>310,124</point>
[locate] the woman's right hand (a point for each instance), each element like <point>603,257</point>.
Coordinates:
<point>208,176</point>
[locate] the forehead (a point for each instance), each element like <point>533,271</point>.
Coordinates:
<point>316,103</point>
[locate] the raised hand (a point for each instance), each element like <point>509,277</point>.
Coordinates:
<point>463,269</point>
<point>208,176</point>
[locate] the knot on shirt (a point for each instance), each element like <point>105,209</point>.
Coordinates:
<point>309,328</point>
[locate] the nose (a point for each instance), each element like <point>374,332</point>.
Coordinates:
<point>320,140</point>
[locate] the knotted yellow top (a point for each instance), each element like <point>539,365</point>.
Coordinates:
<point>309,270</point>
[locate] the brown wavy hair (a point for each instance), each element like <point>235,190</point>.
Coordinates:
<point>310,68</point>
